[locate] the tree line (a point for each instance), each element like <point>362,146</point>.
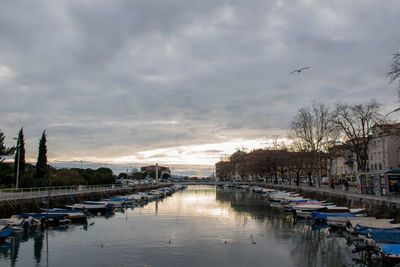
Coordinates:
<point>39,175</point>
<point>318,134</point>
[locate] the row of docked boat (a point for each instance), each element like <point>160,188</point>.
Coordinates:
<point>79,212</point>
<point>377,239</point>
<point>320,211</point>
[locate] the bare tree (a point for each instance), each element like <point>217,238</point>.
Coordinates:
<point>258,163</point>
<point>394,73</point>
<point>312,128</point>
<point>300,157</point>
<point>356,122</point>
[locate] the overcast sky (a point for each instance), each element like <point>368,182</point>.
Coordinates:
<point>183,82</point>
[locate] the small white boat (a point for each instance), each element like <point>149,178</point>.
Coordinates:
<point>91,206</point>
<point>373,222</point>
<point>279,196</point>
<point>305,211</point>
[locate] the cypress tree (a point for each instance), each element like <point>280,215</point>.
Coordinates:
<point>41,164</point>
<point>20,154</point>
<point>4,151</point>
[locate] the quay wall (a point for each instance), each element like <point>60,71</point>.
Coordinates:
<point>33,204</point>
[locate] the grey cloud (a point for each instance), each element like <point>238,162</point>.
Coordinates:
<point>95,74</point>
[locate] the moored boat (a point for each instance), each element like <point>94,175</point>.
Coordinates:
<point>47,218</point>
<point>73,215</point>
<point>5,232</point>
<point>391,252</point>
<point>91,206</point>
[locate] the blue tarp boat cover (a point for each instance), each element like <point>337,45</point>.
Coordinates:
<point>6,232</point>
<point>301,201</point>
<point>43,215</point>
<point>391,249</point>
<point>119,199</point>
<point>385,235</point>
<point>364,230</point>
<point>318,215</point>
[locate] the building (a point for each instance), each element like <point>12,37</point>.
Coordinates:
<point>344,162</point>
<point>384,158</point>
<point>384,148</point>
<point>152,168</point>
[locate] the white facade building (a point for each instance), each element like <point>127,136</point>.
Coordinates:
<point>384,149</point>
<point>345,164</point>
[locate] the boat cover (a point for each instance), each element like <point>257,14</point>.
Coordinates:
<point>363,230</point>
<point>385,235</point>
<point>391,249</point>
<point>374,223</point>
<point>318,215</point>
<point>120,199</point>
<point>6,232</point>
<point>300,200</point>
<point>43,215</point>
<point>337,219</point>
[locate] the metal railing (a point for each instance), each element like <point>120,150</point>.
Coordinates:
<point>22,193</point>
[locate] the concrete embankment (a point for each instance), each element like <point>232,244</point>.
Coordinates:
<point>382,207</point>
<point>33,204</point>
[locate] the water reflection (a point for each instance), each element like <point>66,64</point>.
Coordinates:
<point>310,245</point>
<point>198,227</point>
<point>38,245</point>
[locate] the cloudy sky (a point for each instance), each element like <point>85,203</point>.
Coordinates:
<point>183,82</point>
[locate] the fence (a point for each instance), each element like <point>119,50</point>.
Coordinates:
<point>22,193</point>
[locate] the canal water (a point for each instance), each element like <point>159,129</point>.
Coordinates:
<point>201,226</point>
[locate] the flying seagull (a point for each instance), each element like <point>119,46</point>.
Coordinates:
<point>300,70</point>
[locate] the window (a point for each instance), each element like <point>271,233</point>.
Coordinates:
<point>380,166</point>
<point>372,167</point>
<point>376,166</point>
<point>372,156</point>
